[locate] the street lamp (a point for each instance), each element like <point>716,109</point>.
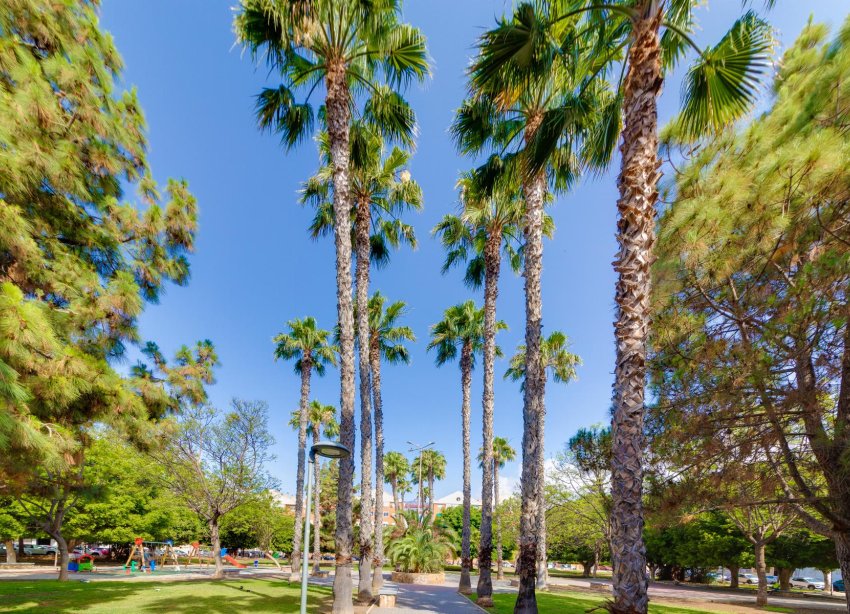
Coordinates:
<point>417,448</point>
<point>325,449</point>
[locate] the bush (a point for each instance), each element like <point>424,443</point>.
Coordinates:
<point>422,548</point>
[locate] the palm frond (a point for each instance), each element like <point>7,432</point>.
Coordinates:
<point>723,84</point>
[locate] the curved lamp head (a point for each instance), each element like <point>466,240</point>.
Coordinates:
<point>329,449</point>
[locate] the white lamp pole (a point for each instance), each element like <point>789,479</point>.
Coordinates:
<point>326,449</point>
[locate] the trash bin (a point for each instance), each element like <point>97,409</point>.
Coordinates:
<point>153,565</point>
<point>73,566</point>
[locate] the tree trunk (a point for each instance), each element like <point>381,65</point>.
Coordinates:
<point>317,513</point>
<point>215,538</point>
<point>587,568</point>
<point>532,482</point>
<point>306,369</point>
<point>827,580</point>
<point>842,552</point>
<point>338,118</point>
<point>500,574</point>
<point>637,184</point>
<point>361,237</point>
<point>491,293</point>
<point>542,559</point>
<point>465,585</point>
<point>596,561</point>
<point>785,578</point>
<point>378,573</point>
<point>11,557</point>
<point>64,557</point>
<point>733,576</point>
<point>431,492</point>
<point>761,572</point>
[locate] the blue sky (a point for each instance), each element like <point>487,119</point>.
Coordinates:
<point>255,267</point>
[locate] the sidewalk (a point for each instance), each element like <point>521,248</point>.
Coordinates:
<point>412,598</point>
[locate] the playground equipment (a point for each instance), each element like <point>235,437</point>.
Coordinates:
<point>195,553</point>
<point>231,560</point>
<point>148,560</point>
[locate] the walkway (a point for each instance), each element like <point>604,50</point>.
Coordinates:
<point>412,598</point>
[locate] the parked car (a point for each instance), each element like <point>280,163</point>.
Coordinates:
<point>772,579</point>
<point>809,583</point>
<point>838,585</point>
<point>748,578</point>
<point>36,549</point>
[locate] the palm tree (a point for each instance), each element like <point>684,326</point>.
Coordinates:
<point>502,453</point>
<point>488,223</point>
<point>343,45</point>
<point>308,345</point>
<point>719,88</point>
<point>396,468</point>
<point>381,189</point>
<point>557,361</point>
<point>320,418</point>
<point>433,467</point>
<point>547,116</point>
<point>386,342</point>
<point>461,331</point>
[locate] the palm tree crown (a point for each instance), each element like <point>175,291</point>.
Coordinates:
<point>386,335</point>
<point>555,357</point>
<point>307,344</point>
<point>310,41</point>
<point>461,324</point>
<point>380,179</point>
<point>321,419</point>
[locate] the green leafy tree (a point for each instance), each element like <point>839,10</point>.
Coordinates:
<point>215,461</point>
<point>12,527</point>
<point>309,346</point>
<point>88,239</point>
<point>344,46</point>
<point>784,244</point>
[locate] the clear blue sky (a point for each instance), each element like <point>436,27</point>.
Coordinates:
<point>255,267</point>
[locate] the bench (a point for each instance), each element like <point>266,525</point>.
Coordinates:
<point>320,574</point>
<point>232,572</point>
<point>17,565</point>
<point>600,586</point>
<point>387,597</point>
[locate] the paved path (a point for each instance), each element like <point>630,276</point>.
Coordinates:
<point>412,598</point>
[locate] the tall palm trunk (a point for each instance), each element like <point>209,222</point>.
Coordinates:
<point>361,238</point>
<point>491,293</point>
<point>338,118</point>
<point>430,492</point>
<point>317,513</point>
<point>533,190</point>
<point>639,174</point>
<point>500,574</point>
<point>542,562</point>
<point>306,367</point>
<point>465,585</point>
<point>375,362</point>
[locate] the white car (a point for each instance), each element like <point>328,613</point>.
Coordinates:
<point>748,578</point>
<point>809,583</point>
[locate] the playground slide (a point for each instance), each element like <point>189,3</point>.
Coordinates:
<point>234,562</point>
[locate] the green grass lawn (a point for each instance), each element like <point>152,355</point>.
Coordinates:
<point>112,597</point>
<point>573,603</point>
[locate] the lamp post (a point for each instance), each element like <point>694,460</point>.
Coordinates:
<point>325,449</point>
<point>417,448</point>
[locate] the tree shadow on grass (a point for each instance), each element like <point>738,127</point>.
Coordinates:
<point>180,597</point>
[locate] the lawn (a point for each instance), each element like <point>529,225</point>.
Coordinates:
<point>574,603</point>
<point>110,597</point>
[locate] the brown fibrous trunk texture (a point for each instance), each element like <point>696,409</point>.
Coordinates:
<point>465,584</point>
<point>338,120</point>
<point>637,183</point>
<point>377,402</point>
<point>361,238</point>
<point>491,294</point>
<point>306,368</point>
